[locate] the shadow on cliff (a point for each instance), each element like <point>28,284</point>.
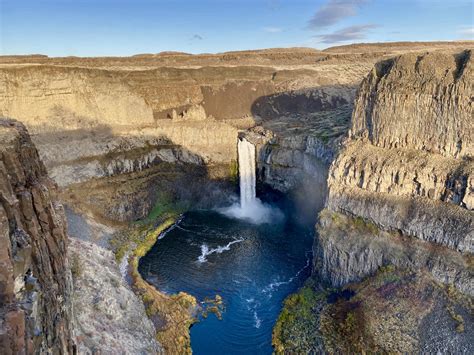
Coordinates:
<point>135,174</point>
<point>321,113</point>
<point>133,186</point>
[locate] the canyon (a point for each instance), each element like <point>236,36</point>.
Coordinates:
<point>376,139</point>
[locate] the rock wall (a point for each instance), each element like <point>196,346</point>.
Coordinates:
<point>433,88</point>
<point>35,281</point>
<point>110,318</point>
<point>406,170</point>
<point>197,107</point>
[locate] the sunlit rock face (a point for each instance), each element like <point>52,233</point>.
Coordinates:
<point>419,101</point>
<point>103,120</point>
<point>396,236</point>
<point>35,281</point>
<point>407,168</point>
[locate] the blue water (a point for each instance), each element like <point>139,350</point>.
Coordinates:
<point>253,267</point>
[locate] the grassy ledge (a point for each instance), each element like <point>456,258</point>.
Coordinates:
<point>297,328</point>
<point>172,315</point>
<point>371,316</point>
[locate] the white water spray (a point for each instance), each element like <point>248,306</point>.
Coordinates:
<point>247,169</point>
<point>250,207</point>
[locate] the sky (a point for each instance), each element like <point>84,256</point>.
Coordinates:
<point>126,27</point>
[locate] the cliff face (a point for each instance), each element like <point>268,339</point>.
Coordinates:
<point>408,169</point>
<point>35,282</point>
<point>433,88</point>
<point>100,120</point>
<point>396,236</point>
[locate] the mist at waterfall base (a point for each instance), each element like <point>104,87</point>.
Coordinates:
<point>256,212</point>
<point>250,207</point>
<point>253,267</point>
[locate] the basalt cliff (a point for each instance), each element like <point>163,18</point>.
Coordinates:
<point>408,166</point>
<point>35,280</point>
<point>396,235</point>
<point>380,136</point>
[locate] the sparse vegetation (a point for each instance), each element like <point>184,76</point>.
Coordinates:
<point>456,317</point>
<point>297,327</point>
<point>364,226</point>
<point>172,315</point>
<point>234,171</point>
<point>76,266</point>
<point>164,209</point>
<point>456,298</point>
<point>358,224</point>
<point>361,317</point>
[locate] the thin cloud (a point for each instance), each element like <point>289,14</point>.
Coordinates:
<point>467,31</point>
<point>332,12</point>
<point>272,29</point>
<point>350,33</point>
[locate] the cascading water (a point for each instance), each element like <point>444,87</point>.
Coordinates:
<point>246,152</point>
<point>250,207</point>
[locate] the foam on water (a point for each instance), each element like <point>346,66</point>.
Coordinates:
<point>205,251</point>
<point>208,254</point>
<point>255,212</point>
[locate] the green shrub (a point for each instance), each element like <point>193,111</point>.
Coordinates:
<point>76,266</point>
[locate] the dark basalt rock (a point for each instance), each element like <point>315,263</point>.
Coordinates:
<point>35,281</point>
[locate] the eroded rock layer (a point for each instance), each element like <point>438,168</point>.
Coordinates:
<point>408,165</point>
<point>396,236</point>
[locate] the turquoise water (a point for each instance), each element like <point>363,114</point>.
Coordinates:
<point>253,267</point>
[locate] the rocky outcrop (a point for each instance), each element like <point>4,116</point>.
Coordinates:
<point>396,236</point>
<point>349,249</point>
<point>424,195</point>
<point>35,281</point>
<point>433,88</point>
<point>406,169</point>
<point>110,318</point>
<point>94,119</point>
<point>116,133</point>
<point>295,149</point>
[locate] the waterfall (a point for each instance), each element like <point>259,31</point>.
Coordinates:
<point>250,207</point>
<point>246,152</point>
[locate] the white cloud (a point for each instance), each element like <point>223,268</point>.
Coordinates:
<point>346,34</point>
<point>467,31</point>
<point>272,29</point>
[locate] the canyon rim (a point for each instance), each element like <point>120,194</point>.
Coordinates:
<point>284,200</point>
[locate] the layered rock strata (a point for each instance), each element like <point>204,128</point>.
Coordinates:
<point>396,237</point>
<point>97,119</point>
<point>407,169</point>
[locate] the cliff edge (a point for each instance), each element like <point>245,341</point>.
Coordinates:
<point>35,281</point>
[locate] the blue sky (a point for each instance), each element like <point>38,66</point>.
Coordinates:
<point>124,27</point>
